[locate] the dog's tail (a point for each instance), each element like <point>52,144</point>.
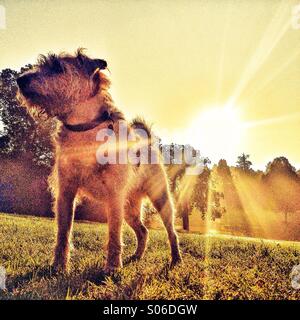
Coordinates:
<point>140,123</point>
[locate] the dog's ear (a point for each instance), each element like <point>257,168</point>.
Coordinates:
<point>99,78</point>
<point>100,63</point>
<point>96,80</point>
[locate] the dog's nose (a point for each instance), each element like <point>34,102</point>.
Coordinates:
<point>23,81</point>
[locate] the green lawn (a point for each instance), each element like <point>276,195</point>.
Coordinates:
<point>214,267</point>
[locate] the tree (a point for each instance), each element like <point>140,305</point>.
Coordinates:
<point>176,173</point>
<point>229,190</point>
<point>199,198</point>
<point>184,210</point>
<point>193,191</point>
<point>22,135</point>
<point>182,158</point>
<point>243,162</point>
<point>223,169</point>
<point>217,209</point>
<point>284,186</point>
<point>281,165</point>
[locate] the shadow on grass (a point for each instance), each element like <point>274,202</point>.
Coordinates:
<point>21,279</point>
<point>44,283</point>
<point>60,283</point>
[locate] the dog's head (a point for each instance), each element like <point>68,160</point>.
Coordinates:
<point>58,82</point>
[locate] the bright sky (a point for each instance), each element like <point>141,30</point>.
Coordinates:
<point>222,75</point>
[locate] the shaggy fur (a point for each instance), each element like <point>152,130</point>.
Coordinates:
<point>73,89</point>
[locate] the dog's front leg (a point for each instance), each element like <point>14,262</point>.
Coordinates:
<point>64,217</point>
<point>115,219</point>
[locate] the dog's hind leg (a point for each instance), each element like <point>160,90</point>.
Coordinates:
<point>64,216</point>
<point>160,196</point>
<point>133,218</point>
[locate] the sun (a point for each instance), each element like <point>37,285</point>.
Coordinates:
<point>218,132</point>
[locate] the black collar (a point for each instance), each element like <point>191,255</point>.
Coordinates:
<point>105,116</point>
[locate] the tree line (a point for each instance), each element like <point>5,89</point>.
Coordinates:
<point>213,192</point>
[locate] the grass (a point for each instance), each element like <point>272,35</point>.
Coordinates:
<point>215,267</point>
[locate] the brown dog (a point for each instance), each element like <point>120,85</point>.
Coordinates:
<point>73,89</point>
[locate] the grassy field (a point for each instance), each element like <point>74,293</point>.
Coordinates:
<point>215,267</point>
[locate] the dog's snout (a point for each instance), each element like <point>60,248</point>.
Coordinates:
<point>23,81</point>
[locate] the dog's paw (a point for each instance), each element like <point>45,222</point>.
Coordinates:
<point>175,261</point>
<point>110,269</point>
<point>58,268</point>
<point>135,257</point>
